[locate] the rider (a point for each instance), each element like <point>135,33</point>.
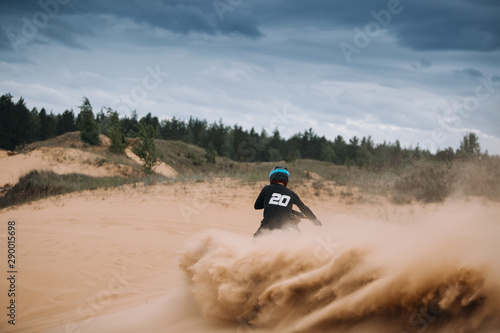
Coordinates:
<point>277,201</point>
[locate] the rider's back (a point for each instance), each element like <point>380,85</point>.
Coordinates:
<point>277,202</point>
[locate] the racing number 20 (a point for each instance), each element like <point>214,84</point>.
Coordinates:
<point>279,199</point>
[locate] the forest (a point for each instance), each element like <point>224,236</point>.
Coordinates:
<point>20,126</point>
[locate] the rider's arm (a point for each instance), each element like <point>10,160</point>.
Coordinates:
<point>307,212</point>
<point>259,203</point>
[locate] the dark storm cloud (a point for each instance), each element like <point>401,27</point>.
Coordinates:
<point>4,41</point>
<point>469,72</point>
<point>449,25</point>
<point>419,25</point>
<point>23,22</point>
<point>422,64</point>
<point>27,21</point>
<point>492,3</point>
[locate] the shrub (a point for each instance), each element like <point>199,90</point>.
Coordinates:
<point>426,183</point>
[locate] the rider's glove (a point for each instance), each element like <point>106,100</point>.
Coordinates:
<point>317,222</point>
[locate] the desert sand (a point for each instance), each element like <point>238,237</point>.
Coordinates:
<point>180,257</point>
<point>58,160</point>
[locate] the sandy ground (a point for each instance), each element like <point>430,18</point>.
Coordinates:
<point>58,160</point>
<point>4,153</point>
<point>161,168</point>
<point>67,160</point>
<point>75,248</point>
<point>181,258</point>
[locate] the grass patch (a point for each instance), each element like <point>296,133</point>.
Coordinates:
<point>41,184</point>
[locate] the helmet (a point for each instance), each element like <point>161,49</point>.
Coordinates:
<point>279,174</point>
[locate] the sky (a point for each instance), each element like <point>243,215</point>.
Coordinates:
<point>419,71</point>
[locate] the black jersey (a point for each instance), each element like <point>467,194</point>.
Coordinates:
<point>277,202</point>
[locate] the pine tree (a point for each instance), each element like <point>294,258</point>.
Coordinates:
<point>35,129</point>
<point>210,153</point>
<point>145,148</point>
<point>66,122</point>
<point>14,122</point>
<point>469,146</point>
<point>115,133</point>
<point>130,125</point>
<point>89,131</point>
<point>6,112</point>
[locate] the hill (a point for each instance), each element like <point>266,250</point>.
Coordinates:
<point>126,252</point>
<point>423,181</point>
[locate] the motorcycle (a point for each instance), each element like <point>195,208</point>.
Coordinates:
<point>293,222</point>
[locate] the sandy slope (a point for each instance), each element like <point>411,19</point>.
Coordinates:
<point>58,160</point>
<point>108,261</point>
<point>67,160</point>
<point>162,168</point>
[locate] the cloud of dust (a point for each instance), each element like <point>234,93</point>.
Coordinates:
<point>440,275</point>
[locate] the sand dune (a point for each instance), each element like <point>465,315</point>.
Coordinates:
<point>176,258</point>
<point>68,160</point>
<point>162,168</point>
<point>181,258</point>
<point>58,160</point>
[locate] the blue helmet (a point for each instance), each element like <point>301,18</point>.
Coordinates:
<point>279,174</point>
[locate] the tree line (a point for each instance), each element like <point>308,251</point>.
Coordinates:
<point>19,126</point>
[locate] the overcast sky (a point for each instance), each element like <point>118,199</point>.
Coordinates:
<point>424,72</point>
